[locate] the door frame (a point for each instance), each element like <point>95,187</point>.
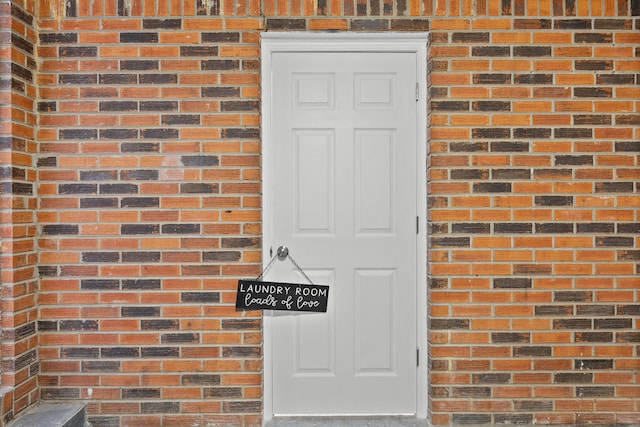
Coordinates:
<point>417,43</point>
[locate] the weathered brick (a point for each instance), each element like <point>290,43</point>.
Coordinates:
<point>491,51</point>
<point>533,79</point>
<point>286,24</point>
<point>572,324</point>
<point>594,65</point>
<point>532,351</point>
<point>553,200</point>
<point>517,174</point>
<point>78,51</point>
<point>159,324</point>
<point>510,337</point>
<point>157,79</point>
<point>594,337</point>
<point>492,187</point>
<point>593,37</point>
<point>617,323</point>
<point>491,106</point>
<point>512,283</point>
<point>449,324</point>
<point>595,391</point>
<point>592,92</point>
<point>52,38</point>
<point>553,310</point>
<point>509,146</point>
<point>470,418</point>
<point>572,24</point>
<point>517,228</point>
<point>489,378</point>
<point>139,37</point>
<point>595,310</point>
<point>532,51</point>
<point>179,338</point>
<point>220,37</point>
<point>479,37</point>
<point>139,65</point>
<point>495,78</point>
<point>593,364</point>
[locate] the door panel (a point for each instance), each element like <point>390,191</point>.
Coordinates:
<point>314,336</point>
<point>314,183</point>
<point>344,145</point>
<point>375,174</point>
<point>374,318</point>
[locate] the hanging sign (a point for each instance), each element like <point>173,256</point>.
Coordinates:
<point>258,295</point>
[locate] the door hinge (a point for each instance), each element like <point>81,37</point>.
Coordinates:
<point>417,91</point>
<point>417,225</point>
<point>417,357</point>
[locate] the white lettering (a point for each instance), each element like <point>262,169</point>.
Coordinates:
<point>269,300</point>
<point>302,303</point>
<point>314,292</point>
<point>288,302</point>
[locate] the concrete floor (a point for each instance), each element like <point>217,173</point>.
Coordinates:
<point>355,421</point>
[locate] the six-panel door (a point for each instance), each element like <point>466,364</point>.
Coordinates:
<point>344,146</point>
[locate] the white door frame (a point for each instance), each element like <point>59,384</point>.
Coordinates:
<point>273,42</point>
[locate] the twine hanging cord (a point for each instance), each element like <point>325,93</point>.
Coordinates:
<point>282,254</point>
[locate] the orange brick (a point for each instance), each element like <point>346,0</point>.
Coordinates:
<point>573,269</point>
<point>513,255</point>
<point>470,255</point>
<point>575,79</point>
<point>470,64</point>
<point>573,51</point>
<point>511,65</point>
<point>553,65</point>
<point>469,337</point>
<point>447,296</point>
<point>531,324</point>
<point>512,92</point>
<point>450,78</point>
<point>513,201</point>
<point>551,119</point>
<point>512,391</point>
<point>552,37</point>
<point>574,106</point>
<point>491,242</point>
<point>619,268</point>
<point>553,392</point>
<point>615,215</point>
<point>450,24</point>
<point>551,337</point>
<point>491,269</point>
<point>449,51</point>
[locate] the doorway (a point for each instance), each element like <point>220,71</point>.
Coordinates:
<point>344,119</point>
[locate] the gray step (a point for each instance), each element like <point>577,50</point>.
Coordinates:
<point>352,421</point>
<point>52,415</point>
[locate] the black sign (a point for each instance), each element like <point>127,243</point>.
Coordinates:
<point>256,295</point>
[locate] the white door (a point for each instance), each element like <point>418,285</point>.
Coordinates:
<point>343,164</point>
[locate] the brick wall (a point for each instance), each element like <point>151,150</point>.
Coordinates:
<point>534,286</point>
<point>533,208</point>
<point>149,196</point>
<point>148,205</point>
<point>18,256</point>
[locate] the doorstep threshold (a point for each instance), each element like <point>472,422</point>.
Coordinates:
<point>347,421</point>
